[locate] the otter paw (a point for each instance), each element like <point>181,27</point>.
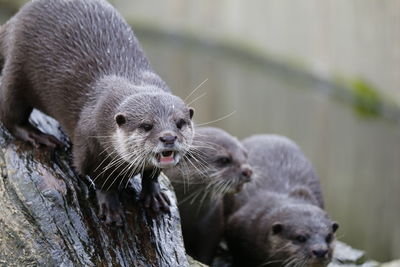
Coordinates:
<point>152,196</point>
<point>156,201</point>
<point>37,138</point>
<point>110,210</point>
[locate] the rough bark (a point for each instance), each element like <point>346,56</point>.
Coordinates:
<point>48,215</point>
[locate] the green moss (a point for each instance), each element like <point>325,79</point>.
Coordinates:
<point>367,100</point>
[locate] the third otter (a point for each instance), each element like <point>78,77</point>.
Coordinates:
<point>219,168</point>
<point>278,219</point>
<point>79,62</point>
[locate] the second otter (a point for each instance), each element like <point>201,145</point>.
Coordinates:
<point>79,62</point>
<point>220,168</point>
<point>278,219</point>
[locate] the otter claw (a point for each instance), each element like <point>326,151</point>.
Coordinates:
<point>156,201</point>
<point>164,200</point>
<point>110,217</point>
<point>37,138</point>
<point>110,211</point>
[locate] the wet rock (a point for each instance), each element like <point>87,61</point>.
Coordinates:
<point>49,217</point>
<point>344,255</point>
<point>194,263</point>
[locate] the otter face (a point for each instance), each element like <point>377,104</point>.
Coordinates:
<point>303,236</point>
<point>153,130</point>
<point>223,159</point>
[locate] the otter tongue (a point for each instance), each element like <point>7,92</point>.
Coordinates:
<point>168,158</point>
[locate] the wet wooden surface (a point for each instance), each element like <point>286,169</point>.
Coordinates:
<point>49,217</point>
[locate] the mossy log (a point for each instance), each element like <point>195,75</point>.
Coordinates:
<point>48,216</point>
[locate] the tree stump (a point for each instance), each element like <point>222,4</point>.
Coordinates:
<point>49,215</point>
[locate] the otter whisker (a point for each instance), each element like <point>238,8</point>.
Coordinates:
<point>108,166</point>
<point>117,164</point>
<point>269,262</point>
<point>197,98</point>
<point>136,163</point>
<point>105,158</point>
<point>110,175</point>
<point>127,170</point>
<point>194,90</point>
<point>191,197</point>
<point>217,120</point>
<point>193,165</point>
<point>290,261</point>
<point>204,144</point>
<point>202,167</point>
<point>278,250</point>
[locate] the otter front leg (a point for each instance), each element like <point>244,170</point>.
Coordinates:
<point>110,210</point>
<point>152,195</point>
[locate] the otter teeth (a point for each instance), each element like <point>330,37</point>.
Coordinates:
<point>167,157</point>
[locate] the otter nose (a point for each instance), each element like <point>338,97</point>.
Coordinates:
<point>320,253</point>
<point>247,172</point>
<point>168,139</point>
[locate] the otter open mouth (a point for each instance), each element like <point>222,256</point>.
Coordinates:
<point>166,157</point>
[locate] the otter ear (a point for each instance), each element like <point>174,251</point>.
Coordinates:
<point>335,226</point>
<point>277,228</point>
<point>120,119</point>
<point>191,112</point>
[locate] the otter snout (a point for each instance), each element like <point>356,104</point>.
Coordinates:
<point>320,253</point>
<point>168,139</point>
<point>246,172</point>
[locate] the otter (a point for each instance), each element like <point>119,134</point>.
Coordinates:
<point>278,219</point>
<point>80,62</point>
<point>220,169</point>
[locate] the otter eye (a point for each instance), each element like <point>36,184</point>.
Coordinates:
<point>224,160</point>
<point>301,238</point>
<point>180,123</point>
<point>146,126</point>
<point>329,238</point>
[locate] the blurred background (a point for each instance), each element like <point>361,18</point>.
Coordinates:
<point>324,73</point>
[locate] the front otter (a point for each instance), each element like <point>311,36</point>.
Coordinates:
<point>79,62</point>
<point>216,166</point>
<point>278,219</point>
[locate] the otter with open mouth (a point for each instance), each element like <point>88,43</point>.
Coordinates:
<point>80,62</point>
<point>216,166</point>
<point>278,219</point>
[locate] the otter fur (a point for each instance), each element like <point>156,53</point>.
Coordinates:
<point>219,167</point>
<point>80,62</point>
<point>278,219</point>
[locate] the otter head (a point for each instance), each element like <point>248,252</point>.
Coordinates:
<point>300,234</point>
<point>152,130</point>
<point>219,160</point>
